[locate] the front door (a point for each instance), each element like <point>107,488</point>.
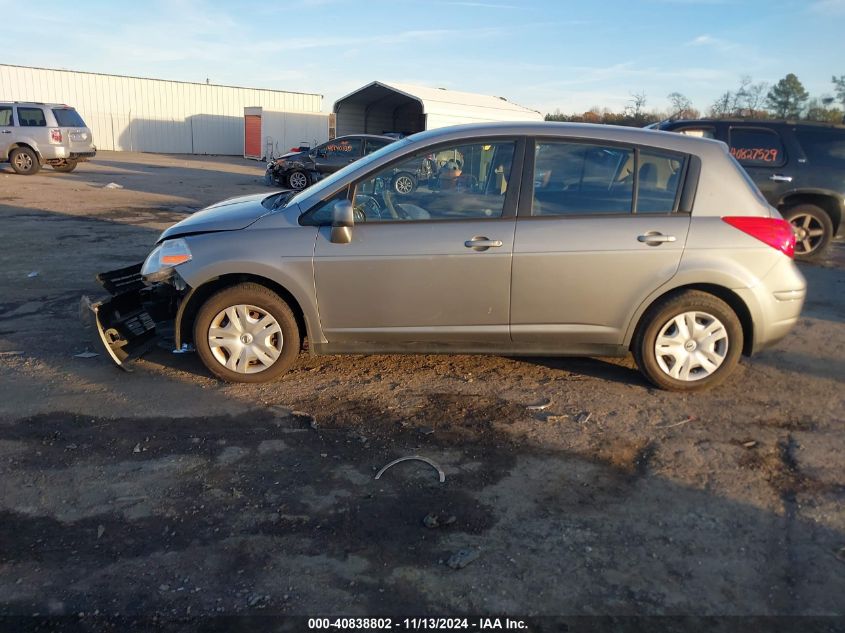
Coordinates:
<point>586,254</point>
<point>428,266</point>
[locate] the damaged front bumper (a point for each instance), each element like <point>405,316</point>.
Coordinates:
<point>137,315</point>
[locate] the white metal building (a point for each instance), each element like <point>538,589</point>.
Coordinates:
<point>155,115</point>
<point>382,107</point>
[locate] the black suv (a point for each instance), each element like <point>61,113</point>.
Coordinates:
<point>298,170</point>
<point>799,168</point>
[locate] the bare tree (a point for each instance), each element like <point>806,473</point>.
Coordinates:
<point>681,106</point>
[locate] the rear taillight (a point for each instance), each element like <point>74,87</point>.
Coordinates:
<point>775,232</point>
<point>55,136</point>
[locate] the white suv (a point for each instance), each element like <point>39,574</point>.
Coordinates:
<point>35,134</point>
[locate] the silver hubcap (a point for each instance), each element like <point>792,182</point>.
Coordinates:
<point>245,339</point>
<point>691,346</point>
<point>298,180</point>
<point>404,185</point>
<point>809,233</point>
<point>23,162</point>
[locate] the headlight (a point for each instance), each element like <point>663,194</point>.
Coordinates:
<point>165,256</point>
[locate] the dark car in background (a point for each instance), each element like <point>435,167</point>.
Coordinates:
<point>298,170</point>
<point>799,168</point>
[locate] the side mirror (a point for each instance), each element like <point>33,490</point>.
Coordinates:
<point>342,222</point>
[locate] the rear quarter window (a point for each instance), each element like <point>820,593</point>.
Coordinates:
<point>757,147</point>
<point>68,117</point>
<point>823,148</point>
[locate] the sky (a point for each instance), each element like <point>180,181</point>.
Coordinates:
<point>543,54</point>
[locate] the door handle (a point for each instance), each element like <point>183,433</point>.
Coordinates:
<point>481,243</point>
<point>654,238</point>
<point>779,178</point>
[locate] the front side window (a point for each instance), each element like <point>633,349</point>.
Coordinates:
<point>460,182</point>
<point>5,115</point>
<point>582,179</point>
<point>376,144</point>
<point>340,148</point>
<point>757,147</point>
<point>659,180</point>
<point>31,117</point>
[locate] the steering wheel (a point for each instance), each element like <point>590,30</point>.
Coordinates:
<point>365,205</point>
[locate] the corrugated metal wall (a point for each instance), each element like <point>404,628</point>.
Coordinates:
<point>152,115</point>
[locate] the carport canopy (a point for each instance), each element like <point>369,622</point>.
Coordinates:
<point>381,107</point>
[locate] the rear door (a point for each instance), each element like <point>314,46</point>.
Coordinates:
<point>337,154</point>
<point>76,135</point>
<point>598,230</point>
<point>763,153</point>
<point>33,124</point>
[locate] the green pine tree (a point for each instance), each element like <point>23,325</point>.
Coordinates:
<point>787,97</point>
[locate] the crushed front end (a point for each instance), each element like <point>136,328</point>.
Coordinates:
<point>139,312</point>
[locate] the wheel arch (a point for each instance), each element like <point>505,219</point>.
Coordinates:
<point>190,305</point>
<point>727,295</point>
<point>826,201</point>
<point>30,146</point>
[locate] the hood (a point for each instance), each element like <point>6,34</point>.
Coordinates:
<point>228,215</point>
<point>291,155</point>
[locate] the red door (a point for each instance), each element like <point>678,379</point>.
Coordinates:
<point>252,136</point>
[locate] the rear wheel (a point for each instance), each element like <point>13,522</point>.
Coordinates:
<point>66,167</point>
<point>404,183</point>
<point>246,333</point>
<point>24,161</point>
<point>813,230</point>
<point>688,342</point>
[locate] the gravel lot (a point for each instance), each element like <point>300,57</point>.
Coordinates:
<point>164,491</point>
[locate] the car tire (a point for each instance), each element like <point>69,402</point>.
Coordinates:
<point>672,359</point>
<point>403,183</point>
<point>24,161</point>
<point>813,230</point>
<point>226,351</point>
<point>299,180</point>
<point>67,167</point>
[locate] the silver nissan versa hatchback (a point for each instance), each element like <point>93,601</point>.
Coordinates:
<point>533,239</point>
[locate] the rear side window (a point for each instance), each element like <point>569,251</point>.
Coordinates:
<point>660,177</point>
<point>5,115</point>
<point>698,132</point>
<point>31,117</point>
<point>823,148</point>
<point>756,147</point>
<point>582,179</point>
<point>343,148</point>
<point>68,117</point>
<point>376,144</point>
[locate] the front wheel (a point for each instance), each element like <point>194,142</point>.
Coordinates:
<point>688,342</point>
<point>66,167</point>
<point>299,180</point>
<point>813,230</point>
<point>246,333</point>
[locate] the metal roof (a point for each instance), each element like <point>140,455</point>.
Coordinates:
<point>440,100</point>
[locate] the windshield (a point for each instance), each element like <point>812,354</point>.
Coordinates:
<point>327,183</point>
<point>68,117</point>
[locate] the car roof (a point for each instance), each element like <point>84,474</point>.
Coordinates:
<point>378,136</point>
<point>760,122</point>
<point>36,103</point>
<point>572,131</point>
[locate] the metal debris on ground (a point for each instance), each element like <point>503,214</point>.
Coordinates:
<point>112,185</point>
<point>100,531</point>
<point>556,418</point>
<point>540,406</point>
<point>684,421</point>
<point>583,417</point>
<point>414,457</point>
<point>137,448</point>
<point>462,558</point>
<point>425,430</point>
<point>750,444</point>
<point>86,354</point>
<point>34,273</point>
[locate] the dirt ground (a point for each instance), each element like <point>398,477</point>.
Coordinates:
<point>164,491</point>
